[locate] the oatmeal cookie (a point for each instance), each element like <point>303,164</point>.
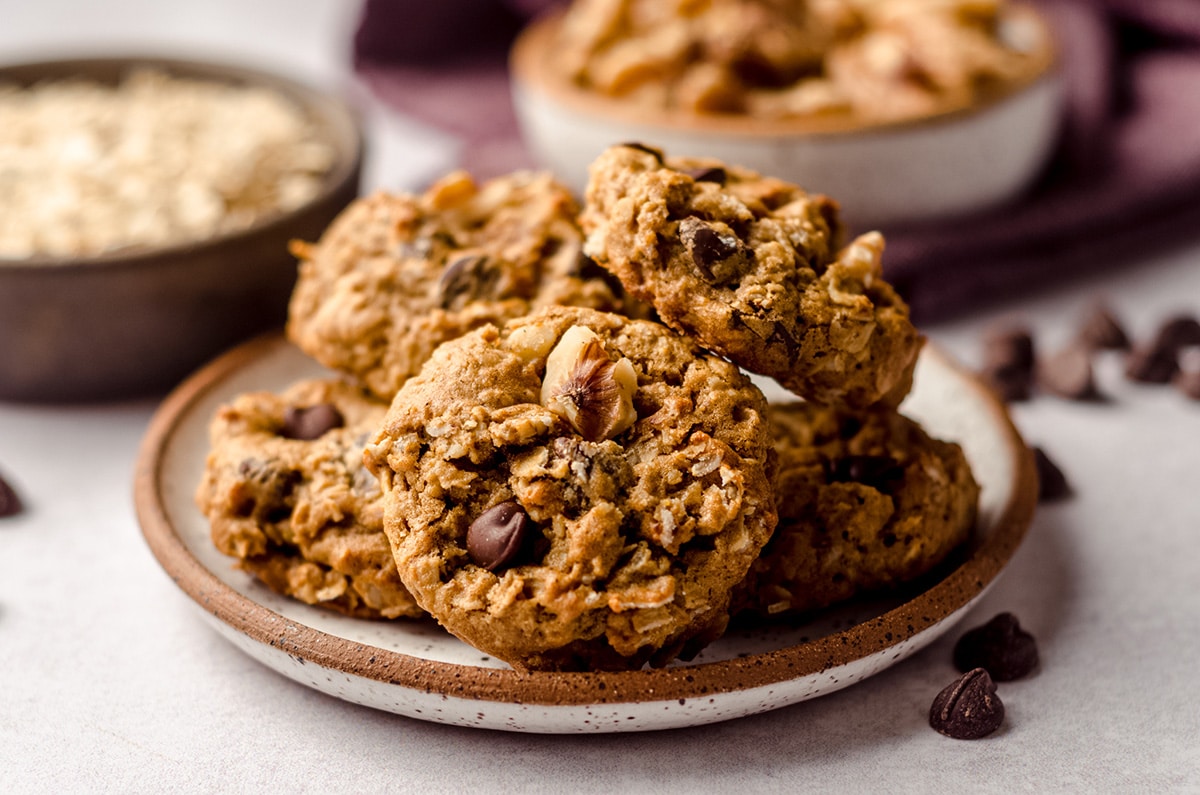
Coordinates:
<point>395,275</point>
<point>867,501</point>
<point>576,490</point>
<point>286,494</point>
<point>751,267</point>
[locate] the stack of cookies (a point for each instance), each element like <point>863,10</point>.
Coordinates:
<point>546,435</point>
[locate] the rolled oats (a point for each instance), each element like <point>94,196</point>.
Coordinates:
<point>88,169</point>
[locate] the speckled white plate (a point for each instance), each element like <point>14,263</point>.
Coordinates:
<point>416,669</point>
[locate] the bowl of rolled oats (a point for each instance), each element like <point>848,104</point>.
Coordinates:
<point>906,110</point>
<point>148,205</point>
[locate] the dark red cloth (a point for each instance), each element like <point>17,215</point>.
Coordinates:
<point>1125,181</point>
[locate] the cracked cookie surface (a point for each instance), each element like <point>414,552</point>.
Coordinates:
<point>752,267</point>
<point>302,514</point>
<point>397,274</point>
<point>867,501</point>
<point>576,490</point>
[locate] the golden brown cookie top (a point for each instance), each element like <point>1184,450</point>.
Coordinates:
<point>286,493</point>
<point>752,267</point>
<point>576,489</point>
<point>397,274</point>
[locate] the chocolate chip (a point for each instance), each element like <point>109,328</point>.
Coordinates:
<point>1068,373</point>
<point>1008,362</point>
<point>1152,364</point>
<point>968,708</point>
<point>708,174</point>
<point>878,471</point>
<point>718,255</point>
<point>496,537</point>
<point>1052,483</point>
<point>1100,329</point>
<point>10,503</point>
<point>1000,646</point>
<point>647,149</point>
<point>310,422</point>
<point>1178,332</point>
<point>466,279</point>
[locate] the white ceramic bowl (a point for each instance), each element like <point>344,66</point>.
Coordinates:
<point>959,161</point>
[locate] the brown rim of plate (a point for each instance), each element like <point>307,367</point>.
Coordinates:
<point>530,67</point>
<point>892,628</point>
<point>336,119</point>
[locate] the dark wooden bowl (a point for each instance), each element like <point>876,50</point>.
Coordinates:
<point>128,324</point>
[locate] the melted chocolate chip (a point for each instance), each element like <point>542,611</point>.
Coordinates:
<point>1000,646</point>
<point>1068,374</point>
<point>1100,329</point>
<point>878,471</point>
<point>719,256</point>
<point>466,279</point>
<point>647,149</point>
<point>310,422</point>
<point>968,708</point>
<point>708,174</point>
<point>1052,483</point>
<point>10,503</point>
<point>496,537</point>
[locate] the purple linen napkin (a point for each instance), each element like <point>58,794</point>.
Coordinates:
<point>1125,181</point>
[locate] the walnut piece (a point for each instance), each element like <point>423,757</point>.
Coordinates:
<point>584,386</point>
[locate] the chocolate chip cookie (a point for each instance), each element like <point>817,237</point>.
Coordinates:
<point>395,275</point>
<point>752,267</point>
<point>576,490</point>
<point>287,495</point>
<point>867,500</point>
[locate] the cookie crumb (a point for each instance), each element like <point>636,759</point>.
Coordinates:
<point>1052,483</point>
<point>10,503</point>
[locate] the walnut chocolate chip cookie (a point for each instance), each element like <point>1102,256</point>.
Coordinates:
<point>867,501</point>
<point>751,266</point>
<point>395,275</point>
<point>576,490</point>
<point>286,494</point>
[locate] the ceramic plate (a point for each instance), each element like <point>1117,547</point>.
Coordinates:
<point>416,669</point>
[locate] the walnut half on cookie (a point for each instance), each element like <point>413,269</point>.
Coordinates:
<point>754,269</point>
<point>555,540</point>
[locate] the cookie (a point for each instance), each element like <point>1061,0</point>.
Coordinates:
<point>751,266</point>
<point>867,500</point>
<point>286,494</point>
<point>395,275</point>
<point>576,490</point>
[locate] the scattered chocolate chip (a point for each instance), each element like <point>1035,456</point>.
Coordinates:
<point>878,471</point>
<point>1101,330</point>
<point>718,255</point>
<point>310,422</point>
<point>496,537</point>
<point>1052,483</point>
<point>708,174</point>
<point>1000,646</point>
<point>10,503</point>
<point>1068,373</point>
<point>647,149</point>
<point>1008,362</point>
<point>1178,332</point>
<point>968,708</point>
<point>1151,364</point>
<point>467,278</point>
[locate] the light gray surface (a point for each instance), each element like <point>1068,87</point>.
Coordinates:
<point>110,681</point>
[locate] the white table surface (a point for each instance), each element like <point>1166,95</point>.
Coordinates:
<point>110,680</point>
